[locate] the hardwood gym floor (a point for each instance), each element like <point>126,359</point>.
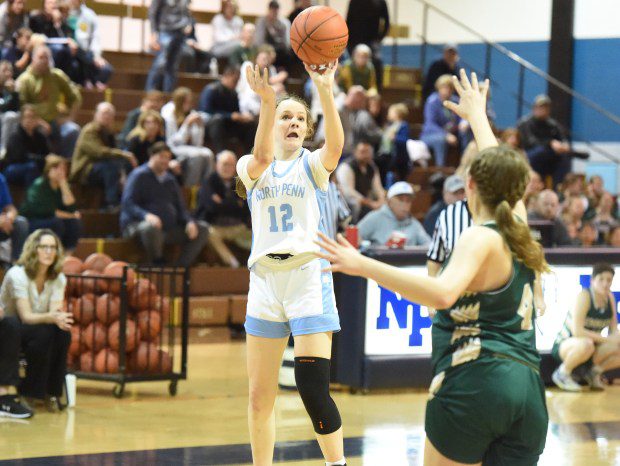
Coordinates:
<point>205,424</point>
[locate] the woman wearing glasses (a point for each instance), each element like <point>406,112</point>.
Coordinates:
<point>34,290</point>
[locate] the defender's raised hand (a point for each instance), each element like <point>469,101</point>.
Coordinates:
<point>473,97</point>
<point>343,257</point>
<point>259,82</point>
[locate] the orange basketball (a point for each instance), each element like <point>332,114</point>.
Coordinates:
<point>108,308</point>
<point>115,269</point>
<point>319,35</point>
<point>83,309</point>
<point>77,342</point>
<point>95,336</point>
<point>149,358</point>
<point>143,294</point>
<point>97,261</point>
<point>149,323</point>
<point>106,361</point>
<point>132,335</point>
<point>93,282</point>
<point>72,265</point>
<point>87,362</point>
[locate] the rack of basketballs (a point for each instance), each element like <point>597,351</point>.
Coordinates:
<point>130,322</point>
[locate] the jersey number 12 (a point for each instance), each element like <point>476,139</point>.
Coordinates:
<point>287,213</point>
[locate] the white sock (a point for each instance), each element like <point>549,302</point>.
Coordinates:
<point>341,462</point>
<point>563,369</point>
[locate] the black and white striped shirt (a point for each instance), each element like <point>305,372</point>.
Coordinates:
<point>450,224</point>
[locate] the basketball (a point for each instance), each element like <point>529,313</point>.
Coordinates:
<point>132,335</point>
<point>149,358</point>
<point>72,265</point>
<point>77,343</point>
<point>94,336</point>
<point>149,323</point>
<point>108,308</point>
<point>106,361</point>
<point>97,262</point>
<point>115,270</point>
<point>93,282</point>
<point>319,35</point>
<point>84,309</point>
<point>87,362</point>
<point>143,295</point>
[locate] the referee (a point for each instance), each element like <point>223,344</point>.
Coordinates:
<point>451,222</point>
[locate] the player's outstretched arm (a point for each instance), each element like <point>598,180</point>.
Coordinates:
<point>472,107</point>
<point>437,292</point>
<point>263,141</point>
<point>334,134</point>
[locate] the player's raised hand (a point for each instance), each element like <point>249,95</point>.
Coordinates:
<point>473,97</point>
<point>322,75</point>
<point>259,82</point>
<point>343,257</point>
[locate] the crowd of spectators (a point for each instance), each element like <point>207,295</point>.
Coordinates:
<point>49,55</point>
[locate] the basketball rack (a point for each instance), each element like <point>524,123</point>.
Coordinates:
<point>147,294</point>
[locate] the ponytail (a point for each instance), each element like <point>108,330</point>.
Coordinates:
<point>517,234</point>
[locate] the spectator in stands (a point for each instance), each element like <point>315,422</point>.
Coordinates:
<point>613,239</point>
<point>394,145</point>
<point>275,31</point>
<point>11,405</point>
<point>440,128</point>
<point>359,71</point>
<point>227,214</point>
<point>27,148</point>
<point>18,51</point>
<point>595,190</point>
<point>97,161</point>
<point>532,190</point>
<point>453,190</point>
<point>152,100</point>
<point>9,103</point>
<point>300,5</point>
<point>249,101</point>
<point>247,49</point>
<point>573,185</point>
<point>220,102</point>
<point>194,59</point>
<point>572,215</point>
<point>149,130</point>
<point>170,23</point>
<point>588,235</point>
<point>379,226</point>
<point>545,142</point>
<point>185,134</point>
<point>51,204</point>
<point>226,27</point>
<point>57,87</point>
<point>448,64</point>
<point>369,23</point>
<point>34,290</point>
<point>547,208</point>
<point>604,219</point>
<point>360,182</point>
<point>85,26</point>
<point>376,109</point>
<point>12,225</point>
<point>153,211</point>
<point>512,138</point>
<point>357,122</point>
<point>13,16</point>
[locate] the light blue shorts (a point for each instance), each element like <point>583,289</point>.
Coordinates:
<point>299,301</point>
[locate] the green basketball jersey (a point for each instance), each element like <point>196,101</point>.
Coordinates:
<point>597,319</point>
<point>496,323</point>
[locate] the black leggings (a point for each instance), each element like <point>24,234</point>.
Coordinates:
<point>9,351</point>
<point>46,348</point>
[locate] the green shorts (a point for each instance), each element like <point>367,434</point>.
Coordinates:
<point>490,410</point>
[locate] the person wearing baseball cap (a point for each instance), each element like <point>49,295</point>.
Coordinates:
<point>545,142</point>
<point>453,190</point>
<point>394,217</point>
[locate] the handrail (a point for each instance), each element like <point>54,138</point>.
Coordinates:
<point>523,64</point>
<point>529,66</point>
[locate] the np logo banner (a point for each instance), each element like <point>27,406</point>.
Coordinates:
<point>396,326</point>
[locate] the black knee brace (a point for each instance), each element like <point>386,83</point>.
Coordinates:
<point>312,378</point>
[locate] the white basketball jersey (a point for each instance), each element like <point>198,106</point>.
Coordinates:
<point>287,203</point>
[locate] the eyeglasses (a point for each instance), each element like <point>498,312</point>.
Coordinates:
<point>47,248</point>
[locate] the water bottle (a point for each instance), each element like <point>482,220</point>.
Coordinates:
<point>213,71</point>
